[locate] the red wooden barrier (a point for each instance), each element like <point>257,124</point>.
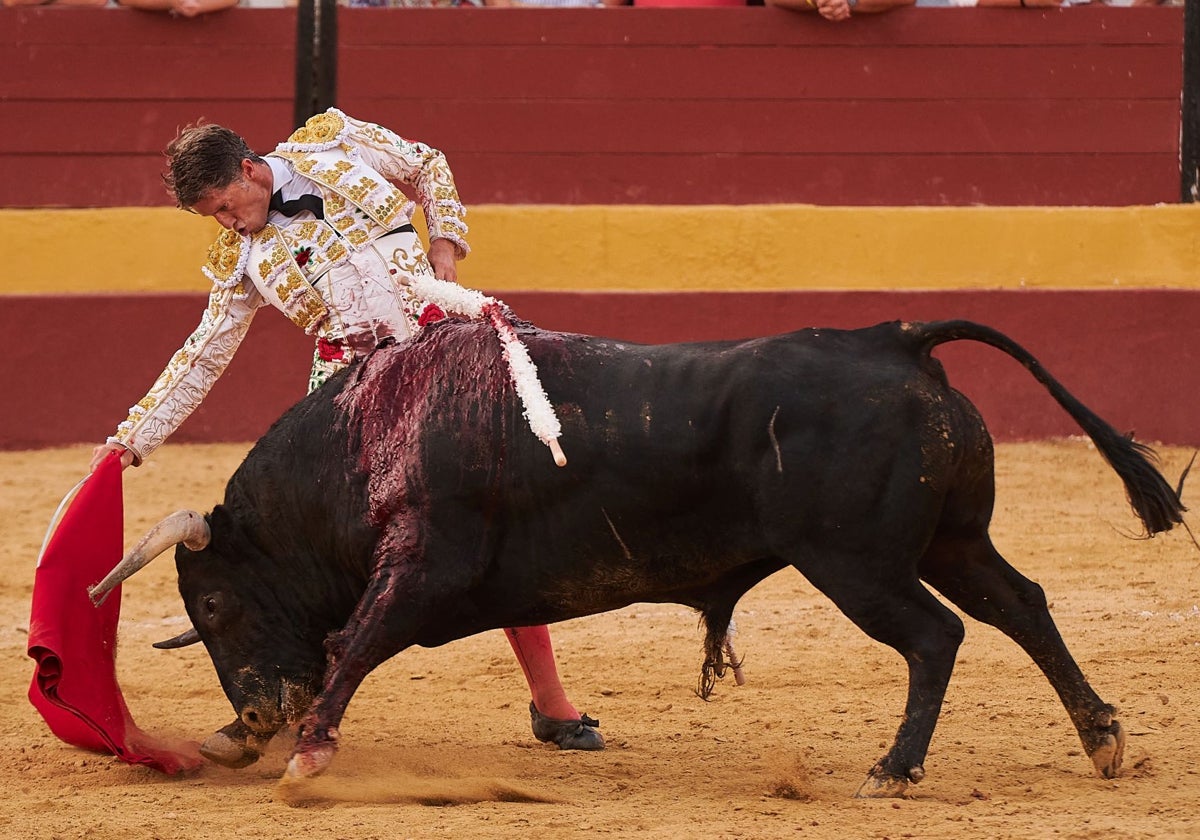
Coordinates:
<point>1132,355</point>
<point>1071,106</point>
<point>739,105</point>
<point>918,106</point>
<point>90,97</point>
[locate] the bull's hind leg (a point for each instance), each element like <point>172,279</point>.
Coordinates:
<point>971,573</point>
<point>897,611</point>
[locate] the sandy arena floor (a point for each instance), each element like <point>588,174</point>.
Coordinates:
<point>437,742</point>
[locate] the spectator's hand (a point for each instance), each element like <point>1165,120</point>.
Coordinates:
<point>834,9</point>
<point>194,8</point>
<point>443,259</point>
<point>101,452</point>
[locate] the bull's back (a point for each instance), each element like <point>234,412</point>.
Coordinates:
<point>685,461</point>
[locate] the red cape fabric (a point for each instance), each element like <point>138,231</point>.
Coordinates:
<point>74,643</point>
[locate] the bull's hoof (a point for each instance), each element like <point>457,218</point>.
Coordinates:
<point>219,748</point>
<point>582,734</point>
<point>313,762</point>
<point>312,756</point>
<point>233,746</point>
<point>1108,753</point>
<point>880,785</point>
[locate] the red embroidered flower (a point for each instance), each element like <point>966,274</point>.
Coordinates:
<point>302,256</point>
<point>430,314</point>
<point>330,351</point>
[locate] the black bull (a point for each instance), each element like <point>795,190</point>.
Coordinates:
<point>406,502</point>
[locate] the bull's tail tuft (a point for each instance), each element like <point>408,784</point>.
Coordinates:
<point>718,626</point>
<point>1155,502</point>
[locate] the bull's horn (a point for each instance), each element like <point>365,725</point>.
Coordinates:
<point>183,526</point>
<point>187,637</point>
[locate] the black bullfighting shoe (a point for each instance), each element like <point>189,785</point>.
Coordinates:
<point>582,734</point>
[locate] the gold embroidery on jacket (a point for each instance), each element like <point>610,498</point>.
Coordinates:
<point>299,301</point>
<point>223,255</point>
<point>356,183</point>
<point>320,128</point>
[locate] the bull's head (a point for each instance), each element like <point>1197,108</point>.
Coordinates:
<point>269,658</point>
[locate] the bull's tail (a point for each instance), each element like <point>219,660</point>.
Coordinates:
<point>1154,501</point>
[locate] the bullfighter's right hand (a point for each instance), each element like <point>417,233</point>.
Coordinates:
<point>101,452</point>
<point>442,259</point>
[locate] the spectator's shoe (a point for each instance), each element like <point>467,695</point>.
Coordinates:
<point>582,734</point>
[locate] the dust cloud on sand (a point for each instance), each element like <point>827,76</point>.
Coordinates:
<point>437,744</point>
<point>417,776</point>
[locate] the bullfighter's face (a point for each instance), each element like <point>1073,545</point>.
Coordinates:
<point>242,205</point>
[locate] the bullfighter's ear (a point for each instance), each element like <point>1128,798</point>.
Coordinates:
<point>187,637</point>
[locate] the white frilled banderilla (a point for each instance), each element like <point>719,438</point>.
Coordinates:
<point>452,297</point>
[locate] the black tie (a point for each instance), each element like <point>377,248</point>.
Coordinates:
<point>309,202</point>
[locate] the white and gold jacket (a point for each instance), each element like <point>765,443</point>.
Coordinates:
<point>342,279</point>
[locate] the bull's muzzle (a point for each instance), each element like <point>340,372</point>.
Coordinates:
<point>262,719</point>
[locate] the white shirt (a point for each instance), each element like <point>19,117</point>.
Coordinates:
<point>290,185</point>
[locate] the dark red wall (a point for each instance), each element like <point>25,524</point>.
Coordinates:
<point>649,106</point>
<point>1071,106</point>
<point>1133,356</point>
<point>90,97</point>
<point>746,105</point>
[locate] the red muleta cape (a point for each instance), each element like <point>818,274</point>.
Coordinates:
<point>74,643</point>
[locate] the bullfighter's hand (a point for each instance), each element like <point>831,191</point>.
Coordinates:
<point>101,452</point>
<point>442,258</point>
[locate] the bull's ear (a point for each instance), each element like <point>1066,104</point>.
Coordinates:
<point>187,637</point>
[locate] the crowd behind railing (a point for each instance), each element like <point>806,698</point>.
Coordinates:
<point>829,9</point>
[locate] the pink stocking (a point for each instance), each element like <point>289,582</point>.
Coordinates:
<point>536,654</point>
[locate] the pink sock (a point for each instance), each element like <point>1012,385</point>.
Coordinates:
<point>536,654</point>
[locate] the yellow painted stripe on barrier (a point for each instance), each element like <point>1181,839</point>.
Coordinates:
<point>117,249</point>
<point>672,248</point>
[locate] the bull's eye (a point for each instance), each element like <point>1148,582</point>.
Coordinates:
<point>215,611</point>
<point>212,609</point>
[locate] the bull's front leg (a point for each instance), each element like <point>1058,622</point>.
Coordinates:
<point>376,631</point>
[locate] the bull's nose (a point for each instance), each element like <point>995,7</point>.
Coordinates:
<point>261,720</point>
